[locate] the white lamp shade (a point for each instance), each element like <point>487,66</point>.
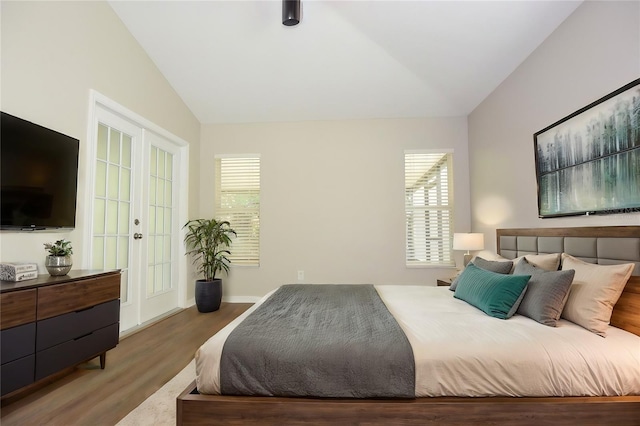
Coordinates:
<point>468,241</point>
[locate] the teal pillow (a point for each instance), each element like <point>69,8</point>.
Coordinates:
<point>494,294</point>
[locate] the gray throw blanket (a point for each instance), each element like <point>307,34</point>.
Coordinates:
<point>319,341</point>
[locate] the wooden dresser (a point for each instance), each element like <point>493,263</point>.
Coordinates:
<point>52,323</point>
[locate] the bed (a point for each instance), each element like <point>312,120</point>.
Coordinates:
<point>602,245</point>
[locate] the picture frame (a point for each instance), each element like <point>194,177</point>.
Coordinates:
<point>589,162</point>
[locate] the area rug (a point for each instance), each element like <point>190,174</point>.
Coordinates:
<point>160,408</point>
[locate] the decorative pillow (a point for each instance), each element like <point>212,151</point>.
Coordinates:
<point>494,294</point>
<point>548,262</point>
<point>546,292</point>
<point>488,255</point>
<point>500,267</point>
<point>594,292</point>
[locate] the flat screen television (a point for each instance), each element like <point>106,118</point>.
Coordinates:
<point>38,176</point>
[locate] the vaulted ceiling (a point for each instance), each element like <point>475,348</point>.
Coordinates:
<point>234,61</point>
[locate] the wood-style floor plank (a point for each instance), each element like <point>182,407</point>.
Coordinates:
<point>140,365</point>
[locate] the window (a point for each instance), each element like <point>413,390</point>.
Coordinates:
<point>238,201</point>
<point>428,207</point>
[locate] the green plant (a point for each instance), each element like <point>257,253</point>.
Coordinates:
<point>59,248</point>
<point>208,241</point>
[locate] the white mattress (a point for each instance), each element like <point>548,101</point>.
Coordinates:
<point>461,351</point>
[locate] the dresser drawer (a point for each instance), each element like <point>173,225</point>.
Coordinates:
<point>74,296</point>
<point>17,374</point>
<point>17,307</point>
<point>17,342</point>
<point>75,351</point>
<point>53,331</point>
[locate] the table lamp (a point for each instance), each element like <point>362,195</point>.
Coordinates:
<point>468,241</point>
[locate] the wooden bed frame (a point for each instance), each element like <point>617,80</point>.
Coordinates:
<point>196,409</point>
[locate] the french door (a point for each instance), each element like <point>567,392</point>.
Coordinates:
<point>135,221</point>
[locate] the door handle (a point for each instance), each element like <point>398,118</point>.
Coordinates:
<point>137,236</point>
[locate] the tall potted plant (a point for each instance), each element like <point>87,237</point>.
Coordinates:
<point>208,241</point>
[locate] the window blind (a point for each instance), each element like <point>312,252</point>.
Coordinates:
<point>238,201</point>
<point>428,208</point>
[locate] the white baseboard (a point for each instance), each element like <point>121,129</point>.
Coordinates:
<point>241,299</point>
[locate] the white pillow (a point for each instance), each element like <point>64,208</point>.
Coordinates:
<point>594,292</point>
<point>548,262</point>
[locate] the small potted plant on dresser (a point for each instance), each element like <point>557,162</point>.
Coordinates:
<point>59,260</point>
<point>208,241</point>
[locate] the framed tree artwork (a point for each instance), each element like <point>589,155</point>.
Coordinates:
<point>589,162</point>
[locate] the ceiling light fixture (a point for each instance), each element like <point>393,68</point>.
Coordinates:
<point>290,12</point>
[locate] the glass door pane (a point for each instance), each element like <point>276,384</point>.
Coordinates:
<point>112,204</point>
<point>159,230</point>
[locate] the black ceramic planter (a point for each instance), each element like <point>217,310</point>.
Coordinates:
<point>208,295</point>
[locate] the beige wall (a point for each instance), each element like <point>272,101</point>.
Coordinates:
<point>53,53</point>
<point>332,201</point>
<point>595,51</point>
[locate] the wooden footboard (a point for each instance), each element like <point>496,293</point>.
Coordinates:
<point>196,409</point>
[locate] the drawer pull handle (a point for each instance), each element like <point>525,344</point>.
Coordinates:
<point>83,336</point>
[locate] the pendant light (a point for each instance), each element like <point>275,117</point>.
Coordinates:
<point>290,12</point>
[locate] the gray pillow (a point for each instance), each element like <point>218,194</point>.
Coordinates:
<point>500,267</point>
<point>546,293</point>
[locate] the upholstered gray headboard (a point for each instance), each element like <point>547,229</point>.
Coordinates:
<point>601,245</point>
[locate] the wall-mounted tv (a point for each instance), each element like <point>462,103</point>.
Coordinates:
<point>38,176</point>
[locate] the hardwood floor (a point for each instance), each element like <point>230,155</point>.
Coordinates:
<point>136,368</point>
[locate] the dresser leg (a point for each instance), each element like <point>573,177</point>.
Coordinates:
<point>103,360</point>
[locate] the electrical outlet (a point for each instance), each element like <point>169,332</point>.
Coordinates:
<point>300,276</point>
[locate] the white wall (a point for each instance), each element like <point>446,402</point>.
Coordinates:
<point>53,53</point>
<point>595,51</point>
<point>332,200</point>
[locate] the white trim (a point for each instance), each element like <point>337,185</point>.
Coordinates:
<point>423,266</point>
<point>429,151</point>
<point>89,179</point>
<point>183,216</point>
<point>419,250</point>
<point>241,299</point>
<point>237,156</point>
<point>234,266</point>
<point>97,99</point>
<point>239,174</point>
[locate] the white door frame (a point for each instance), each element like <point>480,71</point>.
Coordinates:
<point>96,100</point>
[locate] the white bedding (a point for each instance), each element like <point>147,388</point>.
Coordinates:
<point>461,351</point>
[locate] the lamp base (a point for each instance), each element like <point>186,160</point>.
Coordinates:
<point>467,259</point>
